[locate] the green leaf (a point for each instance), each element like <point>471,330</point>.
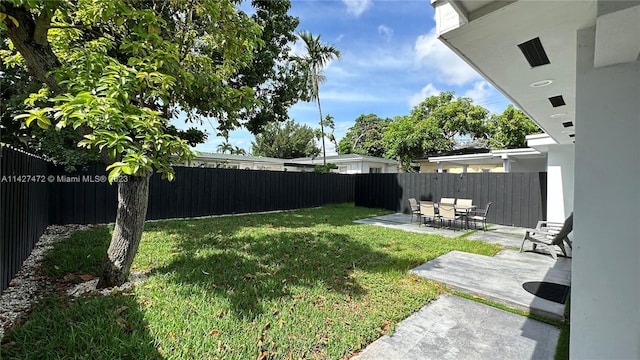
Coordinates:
<point>43,122</point>
<point>114,174</point>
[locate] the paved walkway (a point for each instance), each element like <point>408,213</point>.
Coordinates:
<point>451,327</point>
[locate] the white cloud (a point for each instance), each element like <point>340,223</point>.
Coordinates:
<point>297,48</point>
<point>487,96</point>
<point>426,91</point>
<point>357,7</point>
<point>384,58</point>
<point>386,32</point>
<point>433,55</point>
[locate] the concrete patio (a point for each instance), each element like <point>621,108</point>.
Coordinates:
<point>451,327</point>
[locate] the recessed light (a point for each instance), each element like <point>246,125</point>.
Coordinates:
<point>567,124</point>
<point>557,115</point>
<point>541,83</point>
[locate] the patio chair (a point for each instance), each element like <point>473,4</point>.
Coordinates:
<point>480,215</point>
<point>465,202</point>
<point>447,200</point>
<point>548,235</point>
<point>414,208</point>
<point>447,212</point>
<point>428,211</point>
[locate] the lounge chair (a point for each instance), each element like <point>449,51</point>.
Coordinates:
<point>447,200</point>
<point>480,215</point>
<point>428,211</point>
<point>549,235</point>
<point>414,208</point>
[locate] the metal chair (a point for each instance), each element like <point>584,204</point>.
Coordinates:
<point>480,215</point>
<point>414,207</point>
<point>447,212</point>
<point>428,211</point>
<point>465,202</point>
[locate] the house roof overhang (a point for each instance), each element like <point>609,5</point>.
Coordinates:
<point>495,157</point>
<point>486,35</point>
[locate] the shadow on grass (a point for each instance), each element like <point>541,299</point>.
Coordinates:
<point>250,270</point>
<point>90,327</point>
<point>94,327</point>
<point>246,260</point>
<point>332,215</point>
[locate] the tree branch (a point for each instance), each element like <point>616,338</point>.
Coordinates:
<point>30,39</point>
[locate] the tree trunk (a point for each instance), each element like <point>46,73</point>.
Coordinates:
<point>133,197</point>
<point>324,153</point>
<point>29,36</point>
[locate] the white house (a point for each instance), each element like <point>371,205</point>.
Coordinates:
<point>353,163</point>
<point>573,67</point>
<point>347,164</point>
<point>243,162</point>
<point>509,160</point>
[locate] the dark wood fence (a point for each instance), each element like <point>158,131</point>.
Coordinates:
<point>196,192</point>
<point>518,199</point>
<point>24,209</point>
<point>34,194</point>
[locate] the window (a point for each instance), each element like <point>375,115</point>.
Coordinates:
<point>375,170</point>
<point>343,169</point>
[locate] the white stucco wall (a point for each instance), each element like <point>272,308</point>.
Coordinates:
<point>605,295</point>
<point>529,165</point>
<point>560,180</point>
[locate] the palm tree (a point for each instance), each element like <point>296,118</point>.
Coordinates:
<point>237,150</point>
<point>224,147</point>
<point>317,57</point>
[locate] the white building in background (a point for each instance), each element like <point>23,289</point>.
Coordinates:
<point>509,160</point>
<point>242,162</point>
<point>353,163</point>
<point>347,164</point>
<point>573,67</point>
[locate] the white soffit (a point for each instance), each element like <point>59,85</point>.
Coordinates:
<point>618,37</point>
<point>489,43</point>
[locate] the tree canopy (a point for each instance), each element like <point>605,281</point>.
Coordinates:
<point>434,125</point>
<point>117,71</point>
<point>407,138</point>
<point>509,129</point>
<point>365,136</point>
<point>285,141</point>
<point>277,80</point>
<point>455,117</point>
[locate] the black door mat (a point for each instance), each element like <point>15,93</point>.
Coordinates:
<point>553,292</point>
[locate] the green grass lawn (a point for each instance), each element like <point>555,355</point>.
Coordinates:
<point>301,284</point>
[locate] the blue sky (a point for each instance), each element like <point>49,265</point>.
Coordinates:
<point>391,60</point>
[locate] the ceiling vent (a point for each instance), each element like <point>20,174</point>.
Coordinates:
<point>534,52</point>
<point>567,124</point>
<point>557,101</point>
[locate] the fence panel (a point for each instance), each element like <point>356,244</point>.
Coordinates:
<point>195,192</point>
<point>23,209</point>
<point>519,199</point>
